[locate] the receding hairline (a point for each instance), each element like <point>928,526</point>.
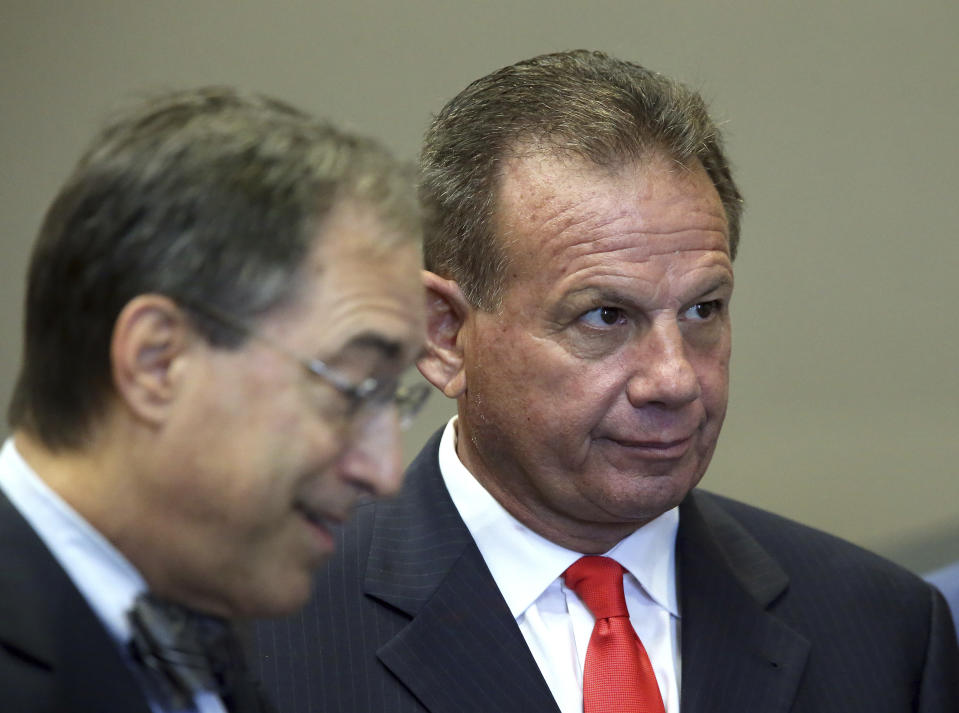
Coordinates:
<point>532,148</point>
<point>607,111</point>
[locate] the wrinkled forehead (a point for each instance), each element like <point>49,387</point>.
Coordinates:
<point>359,285</point>
<point>551,202</point>
<point>375,299</point>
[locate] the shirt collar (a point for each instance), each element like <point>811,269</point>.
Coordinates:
<point>105,578</point>
<point>524,564</point>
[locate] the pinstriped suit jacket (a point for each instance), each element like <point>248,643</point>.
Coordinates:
<point>776,617</point>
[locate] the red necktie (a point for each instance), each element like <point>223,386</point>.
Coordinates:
<point>617,677</point>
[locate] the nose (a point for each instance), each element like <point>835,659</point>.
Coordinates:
<point>373,459</point>
<point>663,375</point>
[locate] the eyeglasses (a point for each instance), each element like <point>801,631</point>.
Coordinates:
<point>407,399</point>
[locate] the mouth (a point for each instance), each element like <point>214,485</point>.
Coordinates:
<point>325,524</point>
<point>666,448</point>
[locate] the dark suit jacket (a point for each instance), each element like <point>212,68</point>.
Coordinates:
<point>776,617</point>
<point>55,655</point>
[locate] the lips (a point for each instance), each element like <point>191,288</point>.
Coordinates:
<point>663,444</point>
<point>326,522</point>
<point>665,448</point>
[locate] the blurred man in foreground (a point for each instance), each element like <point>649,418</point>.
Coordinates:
<point>220,303</point>
<point>550,550</point>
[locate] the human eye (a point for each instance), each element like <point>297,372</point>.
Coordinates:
<point>704,311</point>
<point>603,317</point>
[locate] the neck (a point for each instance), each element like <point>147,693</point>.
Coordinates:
<point>527,506</point>
<point>97,481</point>
<point>77,475</point>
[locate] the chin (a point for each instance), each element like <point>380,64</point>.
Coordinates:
<point>657,494</point>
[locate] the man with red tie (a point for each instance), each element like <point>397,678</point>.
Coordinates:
<point>550,550</point>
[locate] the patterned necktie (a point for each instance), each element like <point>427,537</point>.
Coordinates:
<point>184,651</point>
<point>617,676</point>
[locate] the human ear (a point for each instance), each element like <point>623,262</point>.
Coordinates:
<point>446,313</point>
<point>150,335</point>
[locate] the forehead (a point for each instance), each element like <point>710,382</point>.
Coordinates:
<point>361,287</point>
<point>552,208</point>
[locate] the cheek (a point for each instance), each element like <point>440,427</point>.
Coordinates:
<point>536,395</point>
<point>249,466</point>
<point>509,373</point>
<point>713,373</point>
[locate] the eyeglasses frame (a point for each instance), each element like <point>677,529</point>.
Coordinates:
<point>408,400</point>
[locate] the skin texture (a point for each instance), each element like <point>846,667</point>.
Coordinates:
<point>590,402</point>
<point>203,472</point>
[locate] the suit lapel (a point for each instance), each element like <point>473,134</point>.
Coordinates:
<point>462,651</point>
<point>736,655</point>
<point>53,631</point>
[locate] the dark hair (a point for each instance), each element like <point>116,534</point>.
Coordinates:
<point>210,196</point>
<point>589,104</point>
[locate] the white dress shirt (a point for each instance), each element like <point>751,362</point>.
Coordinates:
<point>557,626</point>
<point>104,577</point>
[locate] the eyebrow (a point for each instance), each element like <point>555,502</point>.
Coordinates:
<point>721,282</point>
<point>607,294</point>
<point>389,348</point>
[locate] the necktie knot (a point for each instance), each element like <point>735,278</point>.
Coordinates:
<point>599,583</point>
<point>185,651</point>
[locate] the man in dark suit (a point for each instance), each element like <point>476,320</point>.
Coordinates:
<point>219,305</point>
<point>581,227</point>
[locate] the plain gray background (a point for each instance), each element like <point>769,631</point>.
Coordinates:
<point>841,120</point>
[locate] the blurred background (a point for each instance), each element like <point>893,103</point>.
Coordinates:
<point>841,121</point>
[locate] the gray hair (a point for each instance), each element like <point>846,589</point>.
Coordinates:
<point>588,104</point>
<point>210,196</point>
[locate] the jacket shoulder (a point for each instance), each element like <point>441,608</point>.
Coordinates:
<point>823,575</point>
